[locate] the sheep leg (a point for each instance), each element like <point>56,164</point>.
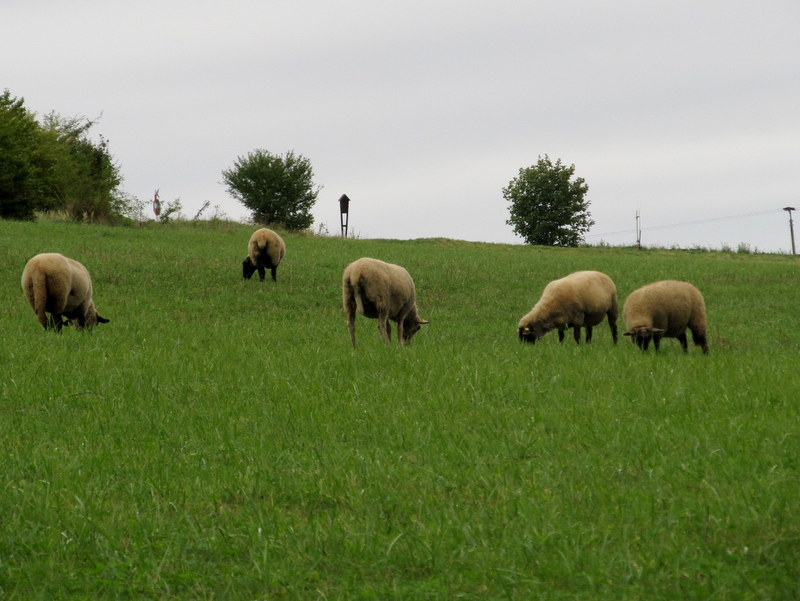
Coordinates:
<point>700,340</point>
<point>561,335</point>
<point>262,273</point>
<point>656,342</point>
<point>351,325</point>
<point>55,322</point>
<point>80,323</point>
<point>684,343</point>
<point>588,334</point>
<point>384,327</point>
<point>350,307</point>
<point>612,322</point>
<point>274,271</point>
<point>576,333</point>
<point>58,322</point>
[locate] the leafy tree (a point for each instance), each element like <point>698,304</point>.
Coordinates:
<point>77,174</point>
<point>277,189</point>
<point>53,165</point>
<point>18,140</point>
<point>547,204</point>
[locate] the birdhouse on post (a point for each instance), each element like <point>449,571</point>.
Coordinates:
<point>344,213</point>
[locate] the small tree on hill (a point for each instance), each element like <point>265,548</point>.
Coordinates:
<point>547,205</point>
<point>277,189</point>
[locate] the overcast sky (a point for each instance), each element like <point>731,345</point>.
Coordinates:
<point>421,111</point>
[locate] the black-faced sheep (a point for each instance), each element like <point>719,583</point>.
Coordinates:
<point>581,299</point>
<point>265,250</point>
<point>62,287</point>
<point>384,291</point>
<point>664,310</point>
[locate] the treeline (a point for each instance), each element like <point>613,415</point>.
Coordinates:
<point>51,164</point>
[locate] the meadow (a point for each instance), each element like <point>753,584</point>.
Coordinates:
<point>220,438</point>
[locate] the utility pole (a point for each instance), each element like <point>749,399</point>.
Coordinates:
<point>791,226</point>
<point>638,231</point>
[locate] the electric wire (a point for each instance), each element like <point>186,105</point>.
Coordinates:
<point>685,223</point>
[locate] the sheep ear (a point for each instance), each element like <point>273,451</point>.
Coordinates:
<point>422,322</point>
<point>629,333</point>
<point>658,331</point>
<point>102,319</point>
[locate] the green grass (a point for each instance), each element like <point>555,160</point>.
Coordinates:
<point>219,439</point>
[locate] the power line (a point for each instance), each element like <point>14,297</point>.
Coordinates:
<point>684,223</point>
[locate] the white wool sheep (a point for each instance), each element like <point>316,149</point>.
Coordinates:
<point>264,250</point>
<point>664,310</point>
<point>581,299</point>
<point>384,291</point>
<point>60,286</point>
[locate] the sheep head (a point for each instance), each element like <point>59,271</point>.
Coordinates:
<point>248,269</point>
<point>93,318</point>
<point>533,331</point>
<point>411,326</point>
<point>643,335</point>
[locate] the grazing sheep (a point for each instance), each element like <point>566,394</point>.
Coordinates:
<point>580,299</point>
<point>383,291</point>
<point>664,310</point>
<point>265,249</point>
<point>60,286</point>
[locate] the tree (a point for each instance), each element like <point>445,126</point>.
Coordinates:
<point>18,140</point>
<point>78,175</point>
<point>277,189</point>
<point>53,165</point>
<point>547,204</point>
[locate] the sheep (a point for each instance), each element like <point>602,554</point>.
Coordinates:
<point>664,310</point>
<point>60,286</point>
<point>580,299</point>
<point>265,249</point>
<point>384,291</point>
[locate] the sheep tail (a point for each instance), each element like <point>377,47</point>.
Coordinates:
<point>358,291</point>
<point>38,292</point>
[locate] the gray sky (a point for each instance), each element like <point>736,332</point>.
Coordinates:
<point>422,111</point>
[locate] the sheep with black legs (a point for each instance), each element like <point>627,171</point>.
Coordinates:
<point>62,287</point>
<point>265,250</point>
<point>665,310</point>
<point>581,299</point>
<point>384,291</point>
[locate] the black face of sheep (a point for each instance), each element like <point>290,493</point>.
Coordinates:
<point>642,336</point>
<point>85,321</point>
<point>410,327</point>
<point>248,269</point>
<point>527,335</point>
<point>533,332</point>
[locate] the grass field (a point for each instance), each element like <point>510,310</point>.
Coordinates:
<point>220,439</point>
